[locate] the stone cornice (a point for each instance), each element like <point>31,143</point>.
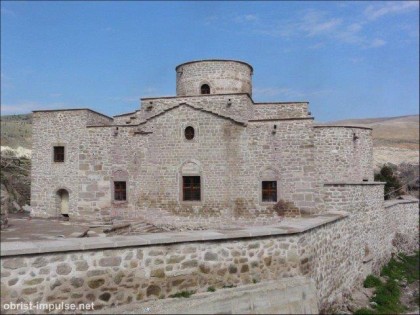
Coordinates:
<point>288,226</point>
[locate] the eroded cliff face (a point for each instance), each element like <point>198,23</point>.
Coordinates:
<point>15,185</point>
<point>4,207</point>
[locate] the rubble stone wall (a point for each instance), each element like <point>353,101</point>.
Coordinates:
<point>232,160</point>
<point>280,110</point>
<point>343,153</point>
<point>49,129</point>
<point>222,76</point>
<point>337,256</point>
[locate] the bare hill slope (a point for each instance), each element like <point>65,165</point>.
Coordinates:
<point>16,131</point>
<point>398,132</point>
<point>395,139</point>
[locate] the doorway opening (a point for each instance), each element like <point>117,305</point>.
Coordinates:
<point>63,202</point>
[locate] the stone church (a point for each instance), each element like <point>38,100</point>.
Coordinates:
<point>209,150</point>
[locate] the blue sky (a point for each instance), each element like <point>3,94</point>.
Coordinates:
<point>348,59</point>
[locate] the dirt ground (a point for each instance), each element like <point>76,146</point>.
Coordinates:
<point>23,228</point>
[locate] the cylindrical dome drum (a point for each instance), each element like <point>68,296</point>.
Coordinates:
<point>213,77</point>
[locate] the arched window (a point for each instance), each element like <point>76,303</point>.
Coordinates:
<point>269,179</point>
<point>189,133</point>
<point>205,89</point>
<point>191,182</point>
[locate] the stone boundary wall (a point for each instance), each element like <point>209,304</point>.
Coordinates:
<point>349,197</point>
<point>295,295</point>
<point>335,253</point>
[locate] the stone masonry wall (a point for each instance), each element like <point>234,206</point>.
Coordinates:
<point>348,197</point>
<point>343,153</point>
<point>238,107</point>
<point>63,128</point>
<point>222,76</point>
<point>337,256</point>
<point>108,155</point>
<point>152,157</point>
<point>287,153</point>
<point>49,129</point>
<point>280,110</point>
<point>94,118</point>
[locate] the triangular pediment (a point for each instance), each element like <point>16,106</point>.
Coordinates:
<point>243,123</point>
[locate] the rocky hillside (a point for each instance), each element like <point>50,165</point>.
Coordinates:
<point>395,139</point>
<point>16,131</point>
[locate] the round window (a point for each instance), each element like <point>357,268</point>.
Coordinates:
<point>189,133</point>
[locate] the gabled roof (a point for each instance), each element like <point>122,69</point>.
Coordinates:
<point>240,122</point>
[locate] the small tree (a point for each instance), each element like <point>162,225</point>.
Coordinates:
<point>393,185</point>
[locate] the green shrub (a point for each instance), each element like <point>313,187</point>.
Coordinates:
<point>371,282</point>
<point>387,295</point>
<point>211,289</point>
<point>393,184</point>
<point>364,311</point>
<point>387,298</point>
<point>404,267</point>
<point>182,294</point>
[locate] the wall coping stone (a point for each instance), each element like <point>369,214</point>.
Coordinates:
<point>282,103</point>
<point>286,227</point>
<point>127,114</point>
<point>214,60</point>
<point>279,119</point>
<point>391,203</point>
<point>196,96</point>
<point>353,183</point>
<point>69,110</point>
<point>338,126</point>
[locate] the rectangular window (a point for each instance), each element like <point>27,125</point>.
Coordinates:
<point>120,191</point>
<point>58,154</point>
<point>191,188</point>
<point>269,191</point>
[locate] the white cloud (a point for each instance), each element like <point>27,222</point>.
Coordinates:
<point>288,93</point>
<point>246,18</point>
<point>150,91</point>
<point>7,12</point>
<point>314,23</point>
<point>317,45</point>
<point>276,91</point>
<point>109,29</point>
<point>27,107</point>
<point>211,20</point>
<point>125,99</point>
<point>375,11</point>
<point>6,82</point>
<point>357,60</point>
<point>55,94</point>
<point>320,26</point>
<point>377,42</point>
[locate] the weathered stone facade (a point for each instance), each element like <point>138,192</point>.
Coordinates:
<point>237,144</point>
<point>337,256</point>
